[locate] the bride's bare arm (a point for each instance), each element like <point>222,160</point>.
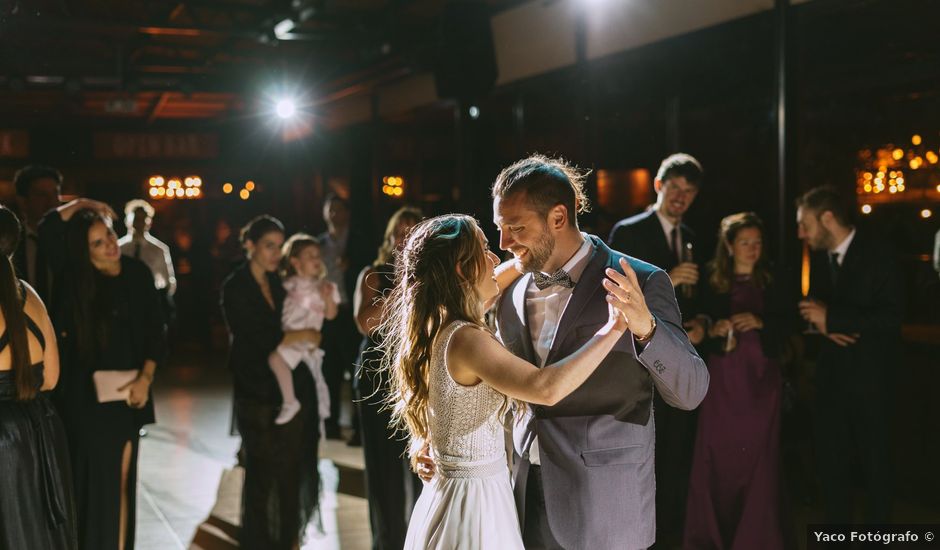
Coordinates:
<point>476,355</point>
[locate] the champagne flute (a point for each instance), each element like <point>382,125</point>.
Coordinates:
<point>804,288</point>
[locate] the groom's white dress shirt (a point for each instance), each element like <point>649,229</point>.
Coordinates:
<point>545,308</point>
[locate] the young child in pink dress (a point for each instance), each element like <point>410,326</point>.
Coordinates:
<point>310,299</point>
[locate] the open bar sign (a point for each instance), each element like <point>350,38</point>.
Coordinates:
<point>110,145</point>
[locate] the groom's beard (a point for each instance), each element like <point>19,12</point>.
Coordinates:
<point>539,254</point>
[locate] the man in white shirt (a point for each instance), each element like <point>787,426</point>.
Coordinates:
<point>139,244</point>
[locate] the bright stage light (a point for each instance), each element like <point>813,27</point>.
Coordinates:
<point>282,30</point>
<point>286,108</point>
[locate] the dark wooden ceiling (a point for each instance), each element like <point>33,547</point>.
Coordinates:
<point>173,59</point>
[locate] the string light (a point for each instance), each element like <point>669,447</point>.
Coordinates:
<point>161,187</point>
<point>393,186</point>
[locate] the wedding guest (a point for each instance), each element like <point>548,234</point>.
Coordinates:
<point>280,493</point>
<point>390,485</point>
<point>140,244</point>
<point>310,299</point>
<point>858,310</point>
<point>110,323</point>
<point>340,248</point>
<point>661,237</point>
<point>38,191</point>
<point>36,504</point>
<point>734,493</point>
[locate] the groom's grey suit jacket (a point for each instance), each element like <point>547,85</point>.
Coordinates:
<point>596,445</point>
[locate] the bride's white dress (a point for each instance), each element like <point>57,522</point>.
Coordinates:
<point>469,503</point>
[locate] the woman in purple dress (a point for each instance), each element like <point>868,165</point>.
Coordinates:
<point>734,489</point>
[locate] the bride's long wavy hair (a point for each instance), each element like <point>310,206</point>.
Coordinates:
<point>435,276</point>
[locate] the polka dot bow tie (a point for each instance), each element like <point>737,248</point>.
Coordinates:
<point>560,278</point>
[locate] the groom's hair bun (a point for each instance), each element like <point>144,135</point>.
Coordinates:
<point>547,182</point>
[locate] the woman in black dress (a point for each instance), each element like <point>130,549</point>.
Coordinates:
<point>390,485</point>
<point>36,506</point>
<point>108,317</point>
<point>281,488</point>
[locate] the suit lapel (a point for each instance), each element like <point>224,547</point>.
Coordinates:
<point>663,253</point>
<point>588,285</point>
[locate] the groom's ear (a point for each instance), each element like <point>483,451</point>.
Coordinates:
<point>558,216</point>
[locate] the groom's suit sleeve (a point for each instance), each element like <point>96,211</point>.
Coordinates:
<point>678,372</point>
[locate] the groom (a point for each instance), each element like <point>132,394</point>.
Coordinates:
<point>583,469</point>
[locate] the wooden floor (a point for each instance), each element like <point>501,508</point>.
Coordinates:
<point>184,457</point>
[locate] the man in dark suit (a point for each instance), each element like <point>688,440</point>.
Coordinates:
<point>583,468</point>
<point>660,237</point>
<point>857,306</point>
<point>343,255</point>
<point>37,191</point>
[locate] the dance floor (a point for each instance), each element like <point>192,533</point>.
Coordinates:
<point>184,457</point>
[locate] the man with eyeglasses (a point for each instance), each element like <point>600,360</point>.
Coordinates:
<point>659,236</point>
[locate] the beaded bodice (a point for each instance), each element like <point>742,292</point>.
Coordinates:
<point>464,420</point>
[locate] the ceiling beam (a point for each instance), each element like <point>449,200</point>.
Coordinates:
<point>158,106</point>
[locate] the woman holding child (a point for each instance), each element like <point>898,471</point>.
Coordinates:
<point>281,480</point>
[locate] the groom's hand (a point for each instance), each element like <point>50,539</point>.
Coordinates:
<point>425,464</point>
<point>627,290</point>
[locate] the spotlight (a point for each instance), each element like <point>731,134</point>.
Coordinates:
<point>474,112</point>
<point>282,30</point>
<point>286,108</point>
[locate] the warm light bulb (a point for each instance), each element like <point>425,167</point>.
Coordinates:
<point>926,213</point>
<point>250,185</point>
<point>915,139</point>
<point>227,188</point>
<point>244,194</point>
<point>866,209</point>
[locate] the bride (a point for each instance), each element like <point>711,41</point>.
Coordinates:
<point>452,382</point>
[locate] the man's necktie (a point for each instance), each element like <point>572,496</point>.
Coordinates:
<point>676,244</point>
<point>833,267</point>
